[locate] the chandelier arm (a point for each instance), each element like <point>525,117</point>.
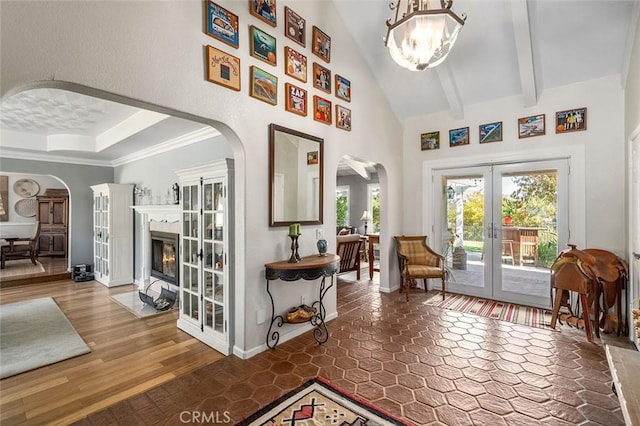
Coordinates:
<point>405,18</point>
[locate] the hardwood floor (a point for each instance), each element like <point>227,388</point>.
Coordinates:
<point>128,356</point>
<point>55,269</point>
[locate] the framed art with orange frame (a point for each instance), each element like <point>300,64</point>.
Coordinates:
<point>263,86</point>
<point>572,120</point>
<point>343,118</point>
<point>264,10</point>
<point>295,27</point>
<point>321,78</point>
<point>262,45</point>
<point>295,64</point>
<point>343,88</point>
<point>322,110</point>
<point>296,99</point>
<point>531,126</point>
<point>221,24</point>
<point>321,44</point>
<point>222,68</point>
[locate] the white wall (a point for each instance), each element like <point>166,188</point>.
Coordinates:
<point>603,144</point>
<point>154,52</point>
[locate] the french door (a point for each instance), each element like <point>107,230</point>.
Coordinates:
<point>501,226</point>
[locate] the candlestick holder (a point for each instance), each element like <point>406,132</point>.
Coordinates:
<point>295,257</point>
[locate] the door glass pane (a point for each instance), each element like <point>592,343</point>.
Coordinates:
<point>463,231</point>
<point>218,197</point>
<point>208,255</point>
<point>194,279</point>
<point>209,317</point>
<point>219,257</point>
<point>186,303</point>
<point>186,225</point>
<point>194,225</point>
<point>219,287</point>
<point>186,198</point>
<point>208,284</point>
<point>186,277</point>
<point>218,226</point>
<point>219,318</point>
<point>529,231</point>
<point>208,196</point>
<point>208,226</point>
<point>194,198</point>
<point>194,307</point>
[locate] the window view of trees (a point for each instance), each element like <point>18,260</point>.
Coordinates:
<point>374,201</point>
<point>342,206</point>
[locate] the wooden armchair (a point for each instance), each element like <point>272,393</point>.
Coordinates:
<point>417,261</point>
<point>349,248</point>
<point>22,248</point>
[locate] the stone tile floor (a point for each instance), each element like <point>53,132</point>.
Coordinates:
<point>424,364</point>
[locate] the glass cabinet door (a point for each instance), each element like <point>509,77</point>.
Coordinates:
<point>191,251</point>
<point>101,233</point>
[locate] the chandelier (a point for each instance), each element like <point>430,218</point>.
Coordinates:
<point>423,36</point>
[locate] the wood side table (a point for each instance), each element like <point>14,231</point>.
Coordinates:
<point>373,239</point>
<point>308,268</point>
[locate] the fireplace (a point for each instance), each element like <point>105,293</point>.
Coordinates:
<point>165,256</point>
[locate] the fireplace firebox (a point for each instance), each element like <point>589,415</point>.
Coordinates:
<point>165,256</point>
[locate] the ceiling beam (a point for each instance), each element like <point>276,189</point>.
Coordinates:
<point>524,50</point>
<point>628,48</point>
<point>450,89</point>
<point>135,123</point>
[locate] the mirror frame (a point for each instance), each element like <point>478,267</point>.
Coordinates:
<point>273,128</point>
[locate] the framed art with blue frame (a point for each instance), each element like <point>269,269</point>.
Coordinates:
<point>490,132</point>
<point>429,141</point>
<point>264,10</point>
<point>221,24</point>
<point>458,137</point>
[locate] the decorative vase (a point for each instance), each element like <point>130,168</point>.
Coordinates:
<point>322,247</point>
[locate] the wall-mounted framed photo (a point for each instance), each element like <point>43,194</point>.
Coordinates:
<point>572,120</point>
<point>321,78</point>
<point>264,10</point>
<point>296,101</point>
<point>322,110</point>
<point>531,126</point>
<point>458,137</point>
<point>312,158</point>
<point>490,132</point>
<point>295,64</point>
<point>343,118</point>
<point>262,45</point>
<point>222,68</point>
<point>321,44</point>
<point>295,27</point>
<point>429,141</point>
<point>343,88</point>
<point>4,198</point>
<point>221,24</point>
<point>263,86</point>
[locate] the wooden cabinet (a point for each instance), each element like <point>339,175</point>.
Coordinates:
<point>53,213</point>
<point>206,274</point>
<point>113,233</point>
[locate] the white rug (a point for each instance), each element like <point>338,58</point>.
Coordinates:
<point>20,267</point>
<point>35,333</point>
<point>131,301</point>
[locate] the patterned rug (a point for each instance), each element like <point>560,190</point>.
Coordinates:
<point>318,402</point>
<point>518,314</point>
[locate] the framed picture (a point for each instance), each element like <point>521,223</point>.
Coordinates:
<point>321,78</point>
<point>296,101</point>
<point>321,44</point>
<point>491,132</point>
<point>221,24</point>
<point>343,118</point>
<point>222,68</point>
<point>264,10</point>
<point>263,86</point>
<point>312,157</point>
<point>343,88</point>
<point>322,110</point>
<point>295,27</point>
<point>458,137</point>
<point>531,126</point>
<point>262,45</point>
<point>572,120</point>
<point>295,64</point>
<point>430,140</point>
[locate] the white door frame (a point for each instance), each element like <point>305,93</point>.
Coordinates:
<point>634,228</point>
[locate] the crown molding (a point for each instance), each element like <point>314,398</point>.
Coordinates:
<point>37,156</point>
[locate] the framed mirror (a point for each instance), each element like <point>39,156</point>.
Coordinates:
<point>295,177</point>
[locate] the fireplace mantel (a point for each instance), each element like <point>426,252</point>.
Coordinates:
<point>160,212</point>
<point>155,217</point>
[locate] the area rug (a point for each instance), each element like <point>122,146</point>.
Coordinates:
<point>20,267</point>
<point>318,402</point>
<point>518,314</point>
<point>35,333</point>
<point>131,302</point>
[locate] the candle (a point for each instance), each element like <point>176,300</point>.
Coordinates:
<point>292,229</point>
<point>297,229</point>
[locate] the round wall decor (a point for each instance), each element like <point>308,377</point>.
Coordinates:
<point>26,188</point>
<point>26,207</point>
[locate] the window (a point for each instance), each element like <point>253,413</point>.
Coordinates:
<point>342,205</point>
<point>373,205</point>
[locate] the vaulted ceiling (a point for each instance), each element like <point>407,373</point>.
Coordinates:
<point>506,48</point>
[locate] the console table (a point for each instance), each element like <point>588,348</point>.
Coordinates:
<point>624,365</point>
<point>308,268</point>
